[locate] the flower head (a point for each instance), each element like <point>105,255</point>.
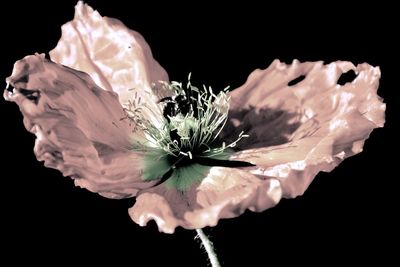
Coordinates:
<point>105,114</point>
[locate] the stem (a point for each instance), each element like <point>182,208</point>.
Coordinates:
<point>208,245</point>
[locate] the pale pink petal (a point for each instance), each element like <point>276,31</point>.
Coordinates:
<point>295,132</point>
<point>224,193</point>
<point>298,131</point>
<point>117,58</point>
<point>78,127</point>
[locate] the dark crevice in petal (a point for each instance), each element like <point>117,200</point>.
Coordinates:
<point>165,177</point>
<point>296,81</point>
<point>10,88</point>
<point>222,162</point>
<point>32,95</point>
<point>347,77</point>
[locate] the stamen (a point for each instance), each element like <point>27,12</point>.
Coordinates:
<point>192,120</point>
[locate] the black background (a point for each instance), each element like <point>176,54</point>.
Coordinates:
<point>345,217</point>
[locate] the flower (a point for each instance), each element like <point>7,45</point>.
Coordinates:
<point>98,119</point>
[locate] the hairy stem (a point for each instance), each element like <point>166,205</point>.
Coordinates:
<point>208,245</point>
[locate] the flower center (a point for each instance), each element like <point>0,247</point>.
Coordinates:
<point>187,145</point>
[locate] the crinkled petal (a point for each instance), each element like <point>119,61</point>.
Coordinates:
<point>78,127</point>
<point>297,131</point>
<point>224,193</point>
<point>117,58</point>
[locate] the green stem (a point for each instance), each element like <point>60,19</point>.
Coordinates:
<point>208,245</point>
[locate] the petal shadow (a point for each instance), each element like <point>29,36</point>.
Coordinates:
<point>265,127</point>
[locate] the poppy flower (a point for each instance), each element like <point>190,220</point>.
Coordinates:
<point>105,114</point>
